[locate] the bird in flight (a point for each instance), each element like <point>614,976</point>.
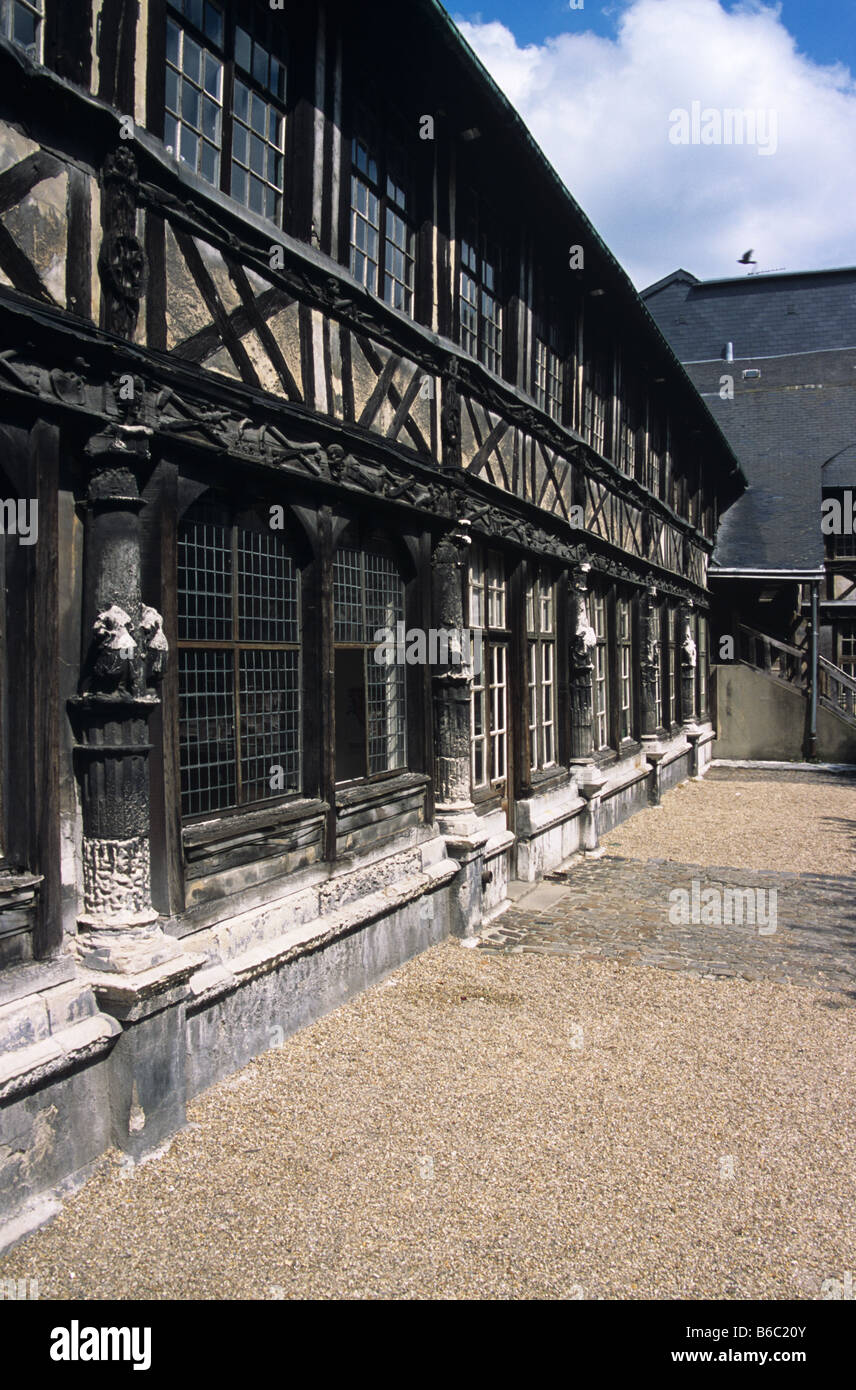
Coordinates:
<point>746,258</point>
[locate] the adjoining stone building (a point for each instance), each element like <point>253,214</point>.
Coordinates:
<point>302,341</point>
<point>774,356</point>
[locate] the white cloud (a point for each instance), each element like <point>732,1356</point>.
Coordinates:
<point>600,110</point>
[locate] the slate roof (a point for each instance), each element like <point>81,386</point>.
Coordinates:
<point>799,331</point>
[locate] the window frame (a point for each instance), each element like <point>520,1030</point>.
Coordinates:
<point>541,638</point>
<point>552,360</point>
<point>35,8</point>
<point>272,41</point>
<point>236,645</point>
<point>393,188</point>
<point>702,637</point>
<point>671,667</point>
<point>479,259</point>
<point>488,600</point>
<point>598,395</point>
<point>601,684</point>
<point>625,684</point>
<point>364,549</point>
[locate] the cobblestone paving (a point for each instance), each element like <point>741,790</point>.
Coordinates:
<point>617,908</point>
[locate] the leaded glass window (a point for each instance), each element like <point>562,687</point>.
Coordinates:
<point>370,695</point>
<point>238,660</point>
<point>541,647</point>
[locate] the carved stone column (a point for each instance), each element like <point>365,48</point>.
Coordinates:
<point>452,682</point>
<point>689,658</point>
<point>118,930</point>
<point>452,691</point>
<point>649,661</point>
<point>139,974</point>
<point>581,671</point>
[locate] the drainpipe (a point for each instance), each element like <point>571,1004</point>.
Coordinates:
<point>811,742</point>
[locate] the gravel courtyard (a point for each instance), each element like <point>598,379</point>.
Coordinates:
<point>515,1126</point>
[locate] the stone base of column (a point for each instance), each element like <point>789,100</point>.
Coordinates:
<point>692,734</point>
<point>590,784</point>
<point>132,947</point>
<point>465,841</point>
<point>147,1082</point>
<point>655,753</point>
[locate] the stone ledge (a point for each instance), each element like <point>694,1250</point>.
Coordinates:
<point>32,1066</point>
<point>58,1003</point>
<point>217,979</point>
<point>133,996</point>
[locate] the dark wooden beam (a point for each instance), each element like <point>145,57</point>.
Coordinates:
<point>213,303</point>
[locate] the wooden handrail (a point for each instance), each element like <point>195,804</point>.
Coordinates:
<point>771,641</point>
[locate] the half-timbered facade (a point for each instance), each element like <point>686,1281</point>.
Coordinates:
<point>357,524</point>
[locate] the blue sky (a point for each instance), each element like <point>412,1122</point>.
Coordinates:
<point>599,88</point>
<point>824,29</point>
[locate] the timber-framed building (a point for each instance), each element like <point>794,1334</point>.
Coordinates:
<point>302,339</point>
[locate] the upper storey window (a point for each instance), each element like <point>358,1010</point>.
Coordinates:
<point>258,127</point>
<point>549,377</point>
<point>193,127</point>
<point>225,103</point>
<point>23,24</point>
<point>597,395</point>
<point>381,236</point>
<point>479,304</point>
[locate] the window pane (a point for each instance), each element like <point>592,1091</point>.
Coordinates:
<point>211,120</point>
<point>170,133</point>
<point>239,183</point>
<point>189,146</point>
<point>239,142</point>
<point>206,722</point>
<point>243,49</point>
<point>257,196</point>
<point>213,70</point>
<point>270,720</point>
<point>385,716</point>
<point>213,23</point>
<point>205,580</point>
<point>209,163</point>
<point>193,10</point>
<point>260,65</point>
<point>242,101</point>
<point>192,60</point>
<point>172,41</point>
<point>257,155</point>
<point>277,79</point>
<point>258,117</point>
<point>190,102</point>
<point>274,170</point>
<point>267,588</point>
<point>172,90</point>
<point>350,713</point>
<point>25,29</point>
